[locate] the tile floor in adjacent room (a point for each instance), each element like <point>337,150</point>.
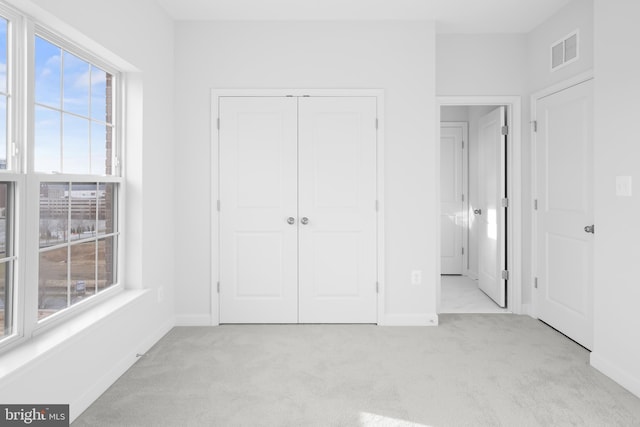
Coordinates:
<point>460,294</point>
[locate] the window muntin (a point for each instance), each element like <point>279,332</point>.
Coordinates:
<point>73,113</point>
<point>77,243</point>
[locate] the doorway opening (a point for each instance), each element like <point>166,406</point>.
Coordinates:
<point>479,199</point>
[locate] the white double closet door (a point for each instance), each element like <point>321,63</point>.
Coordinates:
<point>298,210</point>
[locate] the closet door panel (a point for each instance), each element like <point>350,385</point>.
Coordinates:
<point>258,193</point>
<point>337,195</point>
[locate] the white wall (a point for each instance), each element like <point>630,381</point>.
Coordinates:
<point>481,64</point>
<point>397,57</point>
<point>616,349</point>
<point>577,15</point>
<point>81,367</point>
<point>454,114</point>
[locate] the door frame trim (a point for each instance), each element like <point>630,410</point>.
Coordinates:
<point>514,193</point>
<point>535,97</point>
<point>216,94</point>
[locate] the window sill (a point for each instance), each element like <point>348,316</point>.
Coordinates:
<point>28,350</point>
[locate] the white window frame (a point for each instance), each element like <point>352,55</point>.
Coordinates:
<point>13,174</point>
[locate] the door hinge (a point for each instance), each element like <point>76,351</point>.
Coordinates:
<point>376,123</point>
<point>535,282</point>
<point>463,145</point>
<point>505,274</point>
<point>505,130</point>
<point>218,287</point>
<point>463,197</point>
<point>462,251</point>
<point>218,205</point>
<point>218,123</point>
<point>377,206</point>
<point>535,204</point>
<point>505,203</point>
<point>534,123</point>
<point>377,288</point>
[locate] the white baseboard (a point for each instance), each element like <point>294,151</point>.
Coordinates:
<point>193,320</point>
<point>105,381</point>
<point>409,320</point>
<point>527,309</point>
<point>622,377</point>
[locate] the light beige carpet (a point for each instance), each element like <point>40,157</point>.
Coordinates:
<point>472,370</point>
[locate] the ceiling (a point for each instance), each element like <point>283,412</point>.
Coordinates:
<point>452,16</point>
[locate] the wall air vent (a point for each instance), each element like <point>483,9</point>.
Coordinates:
<point>565,51</point>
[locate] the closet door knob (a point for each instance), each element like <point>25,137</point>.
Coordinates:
<point>477,211</point>
<point>304,220</point>
<point>291,220</point>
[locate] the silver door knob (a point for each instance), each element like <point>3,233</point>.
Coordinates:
<point>304,220</point>
<point>590,229</point>
<point>291,220</point>
<point>477,211</point>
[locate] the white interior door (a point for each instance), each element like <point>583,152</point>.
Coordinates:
<point>258,193</point>
<point>452,210</point>
<point>491,216</point>
<point>337,205</point>
<point>564,183</point>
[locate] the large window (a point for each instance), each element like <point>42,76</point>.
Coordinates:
<point>60,184</point>
<point>73,139</point>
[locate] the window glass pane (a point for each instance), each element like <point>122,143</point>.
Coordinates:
<point>77,79</point>
<point>3,54</point>
<point>5,228</point>
<point>52,282</point>
<point>84,210</point>
<point>83,271</point>
<point>47,73</point>
<point>75,142</point>
<point>106,262</point>
<point>54,213</point>
<point>47,140</point>
<point>3,131</point>
<point>100,91</point>
<point>99,149</point>
<point>106,209</point>
<point>6,300</point>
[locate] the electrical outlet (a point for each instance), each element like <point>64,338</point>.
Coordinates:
<point>416,277</point>
<point>160,294</point>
